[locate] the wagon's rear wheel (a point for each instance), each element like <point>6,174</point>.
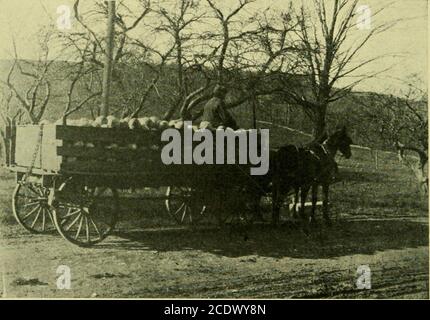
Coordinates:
<point>85,216</point>
<point>30,207</point>
<point>184,205</point>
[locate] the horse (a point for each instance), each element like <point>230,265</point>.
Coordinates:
<point>303,168</point>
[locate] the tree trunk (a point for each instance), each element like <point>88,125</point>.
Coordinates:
<point>319,122</point>
<point>3,148</point>
<point>254,112</point>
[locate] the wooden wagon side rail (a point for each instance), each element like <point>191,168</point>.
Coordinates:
<point>93,151</point>
<point>100,153</point>
<point>120,136</point>
<point>109,150</point>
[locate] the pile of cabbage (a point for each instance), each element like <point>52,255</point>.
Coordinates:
<point>146,123</point>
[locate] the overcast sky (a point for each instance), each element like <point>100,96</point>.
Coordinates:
<point>407,40</point>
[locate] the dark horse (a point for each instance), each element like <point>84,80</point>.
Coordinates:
<point>304,168</point>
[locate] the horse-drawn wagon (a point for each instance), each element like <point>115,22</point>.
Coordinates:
<point>67,177</point>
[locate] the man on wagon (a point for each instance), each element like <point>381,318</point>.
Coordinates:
<point>215,111</point>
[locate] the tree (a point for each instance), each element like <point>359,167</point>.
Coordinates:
<point>178,22</point>
<point>9,117</point>
<point>215,52</point>
<point>401,122</point>
<point>247,52</point>
<point>88,45</point>
<point>328,46</point>
<point>34,91</point>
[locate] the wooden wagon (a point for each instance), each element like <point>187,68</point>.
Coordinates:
<point>68,177</point>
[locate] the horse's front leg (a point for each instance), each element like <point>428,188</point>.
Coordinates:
<point>304,190</point>
<point>314,192</point>
<point>296,201</point>
<point>326,216</point>
<point>256,206</point>
<point>276,199</point>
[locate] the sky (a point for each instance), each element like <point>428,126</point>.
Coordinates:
<point>404,46</point>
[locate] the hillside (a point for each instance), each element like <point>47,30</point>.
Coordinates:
<point>346,111</point>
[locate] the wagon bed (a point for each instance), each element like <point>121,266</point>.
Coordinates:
<point>68,175</point>
<point>118,156</point>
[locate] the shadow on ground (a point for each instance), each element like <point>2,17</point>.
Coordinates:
<point>344,238</point>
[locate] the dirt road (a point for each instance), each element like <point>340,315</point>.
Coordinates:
<point>208,262</point>
<point>379,222</point>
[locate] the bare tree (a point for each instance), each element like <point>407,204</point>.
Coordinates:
<point>178,23</point>
<point>152,81</point>
<point>228,33</point>
<point>401,122</point>
<point>247,52</point>
<point>77,99</point>
<point>89,47</point>
<point>329,44</point>
<point>9,117</point>
<point>33,93</point>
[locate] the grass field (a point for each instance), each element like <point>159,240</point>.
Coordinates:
<point>380,220</point>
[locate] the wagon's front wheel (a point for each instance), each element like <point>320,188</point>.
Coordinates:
<point>183,204</point>
<point>30,207</point>
<point>85,216</point>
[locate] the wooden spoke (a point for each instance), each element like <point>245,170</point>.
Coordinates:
<point>73,222</point>
<point>30,213</point>
<point>184,213</point>
<point>71,213</point>
<point>180,208</point>
<point>93,210</point>
<point>79,228</point>
<point>31,188</point>
<point>87,229</point>
<point>182,204</point>
<point>29,200</point>
<point>31,204</point>
<point>37,217</point>
<point>43,219</point>
<point>95,227</point>
<point>191,214</point>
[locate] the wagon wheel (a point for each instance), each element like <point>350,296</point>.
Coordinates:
<point>30,207</point>
<point>85,216</point>
<point>225,208</point>
<point>183,205</point>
